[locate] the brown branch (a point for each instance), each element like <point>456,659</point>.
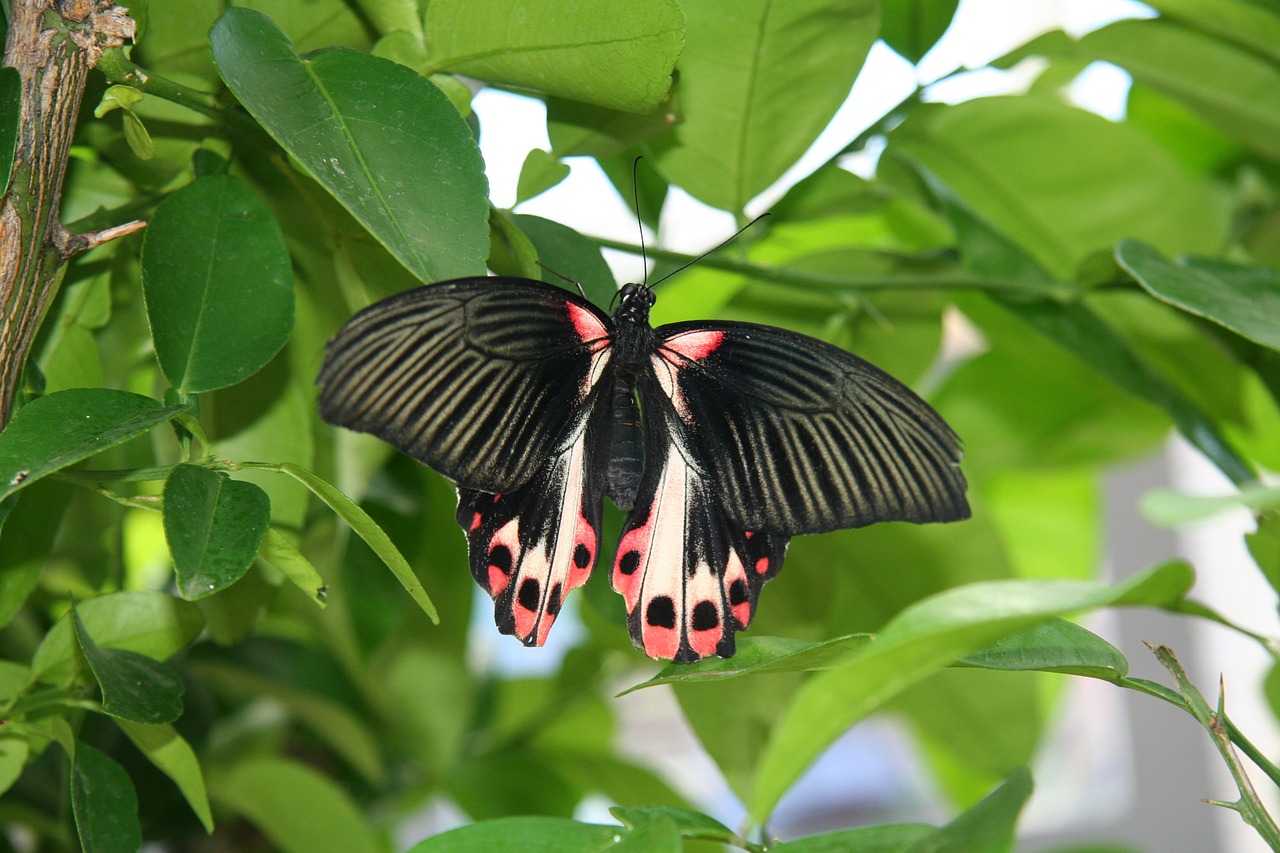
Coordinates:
<point>53,44</point>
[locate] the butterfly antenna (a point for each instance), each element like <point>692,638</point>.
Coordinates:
<point>726,241</point>
<point>560,275</point>
<point>635,199</point>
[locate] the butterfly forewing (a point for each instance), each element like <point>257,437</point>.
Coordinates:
<point>479,380</point>
<point>799,436</point>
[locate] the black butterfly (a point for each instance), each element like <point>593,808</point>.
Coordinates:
<point>525,395</point>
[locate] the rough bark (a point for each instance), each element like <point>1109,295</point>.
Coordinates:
<point>53,44</point>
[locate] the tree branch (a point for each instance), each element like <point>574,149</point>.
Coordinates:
<point>53,44</point>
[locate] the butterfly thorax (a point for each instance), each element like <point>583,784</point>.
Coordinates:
<point>634,336</point>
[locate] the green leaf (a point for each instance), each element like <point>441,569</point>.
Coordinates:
<point>686,822</point>
<point>576,129</point>
<point>569,253</point>
<point>1053,646</point>
<point>614,53</point>
<point>541,171</point>
<point>1264,547</point>
<point>55,432</point>
<point>149,623</point>
<point>911,27</point>
<point>14,752</point>
<point>1173,509</point>
<point>1245,300</point>
<point>214,526</point>
<point>926,635</point>
<point>368,530</point>
<point>524,835</point>
<point>104,803</point>
<point>289,561</point>
<point>988,827</point>
<point>10,111</point>
<point>886,838</point>
<point>383,140</point>
<point>758,83</point>
<point>298,809</point>
<point>169,752</point>
<point>218,283</point>
<point>26,539</point>
<point>760,655</point>
<point>134,687</point>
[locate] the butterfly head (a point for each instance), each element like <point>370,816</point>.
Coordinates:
<point>634,302</point>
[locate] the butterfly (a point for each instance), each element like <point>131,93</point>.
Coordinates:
<point>721,439</point>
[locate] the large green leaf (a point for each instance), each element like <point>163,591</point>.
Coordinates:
<point>922,637</point>
<point>104,803</point>
<point>214,526</point>
<point>54,432</point>
<point>1245,300</point>
<point>759,82</point>
<point>524,835</point>
<point>614,53</point>
<point>378,136</point>
<point>149,623</point>
<point>911,27</point>
<point>988,827</point>
<point>886,838</point>
<point>168,751</point>
<point>1107,181</point>
<point>218,284</point>
<point>296,807</point>
<point>568,253</point>
<point>134,687</point>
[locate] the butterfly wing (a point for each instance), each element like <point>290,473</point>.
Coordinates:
<point>757,434</point>
<point>495,383</point>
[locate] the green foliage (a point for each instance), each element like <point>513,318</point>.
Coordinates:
<point>1065,289</point>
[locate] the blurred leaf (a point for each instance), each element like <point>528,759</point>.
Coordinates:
<point>104,803</point>
<point>569,253</point>
<point>1245,300</point>
<point>55,432</point>
<point>688,823</point>
<point>149,623</point>
<point>524,835</point>
<point>211,250</point>
<point>1264,547</point>
<point>760,655</point>
<point>368,530</point>
<point>26,537</point>
<point>1053,646</point>
<point>296,807</point>
<point>384,141</point>
<point>494,785</point>
<point>1109,181</point>
<point>912,27</point>
<point>214,526</point>
<point>886,838</point>
<point>988,827</point>
<point>758,82</point>
<point>284,556</point>
<point>134,687</point>
<point>541,171</point>
<point>10,106</point>
<point>614,53</point>
<point>1050,522</point>
<point>14,752</point>
<point>167,750</point>
<point>1172,509</point>
<point>928,634</point>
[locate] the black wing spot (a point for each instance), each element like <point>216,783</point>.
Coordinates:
<point>581,556</point>
<point>528,597</point>
<point>553,600</point>
<point>629,563</point>
<point>737,593</point>
<point>661,612</point>
<point>500,559</point>
<point>705,616</point>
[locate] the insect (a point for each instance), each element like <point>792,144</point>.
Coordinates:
<point>721,439</point>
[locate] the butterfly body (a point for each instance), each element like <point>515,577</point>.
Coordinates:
<point>722,440</point>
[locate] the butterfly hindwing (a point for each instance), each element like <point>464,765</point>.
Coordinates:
<point>799,436</point>
<point>479,378</point>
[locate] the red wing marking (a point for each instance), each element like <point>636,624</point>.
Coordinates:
<point>585,323</point>
<point>694,345</point>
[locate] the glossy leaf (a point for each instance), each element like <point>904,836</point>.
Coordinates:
<point>293,564</point>
<point>104,803</point>
<point>169,752</point>
<point>524,835</point>
<point>1245,300</point>
<point>614,53</point>
<point>928,634</point>
<point>55,432</point>
<point>134,687</point>
<point>758,82</point>
<point>368,530</point>
<point>382,139</point>
<point>886,838</point>
<point>214,526</point>
<point>10,106</point>
<point>149,623</point>
<point>296,807</point>
<point>686,822</point>
<point>1053,646</point>
<point>218,283</point>
<point>911,27</point>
